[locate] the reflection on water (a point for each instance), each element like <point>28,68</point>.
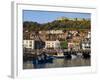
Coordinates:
<point>58,63</point>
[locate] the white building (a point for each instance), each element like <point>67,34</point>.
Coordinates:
<point>86,44</point>
<point>54,32</point>
<point>28,44</point>
<point>73,19</point>
<point>89,35</point>
<point>52,44</point>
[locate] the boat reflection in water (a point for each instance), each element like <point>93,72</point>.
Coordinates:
<point>47,61</point>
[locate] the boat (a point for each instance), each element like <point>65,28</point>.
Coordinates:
<point>68,56</point>
<point>86,55</point>
<point>42,59</point>
<point>49,59</point>
<point>59,55</point>
<point>73,56</point>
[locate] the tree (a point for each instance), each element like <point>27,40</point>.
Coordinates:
<point>65,24</point>
<point>63,44</point>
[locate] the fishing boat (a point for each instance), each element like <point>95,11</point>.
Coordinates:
<point>42,59</point>
<point>59,55</point>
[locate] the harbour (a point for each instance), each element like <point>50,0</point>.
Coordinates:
<point>62,42</point>
<point>67,59</point>
<point>58,63</point>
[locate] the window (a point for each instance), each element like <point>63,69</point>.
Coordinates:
<point>30,42</point>
<point>30,45</point>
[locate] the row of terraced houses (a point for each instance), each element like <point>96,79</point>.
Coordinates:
<point>51,39</point>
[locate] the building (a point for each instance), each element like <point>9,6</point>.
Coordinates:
<point>52,44</point>
<point>86,43</point>
<point>52,35</point>
<point>89,35</point>
<point>73,19</point>
<point>54,32</point>
<point>29,44</point>
<point>73,46</point>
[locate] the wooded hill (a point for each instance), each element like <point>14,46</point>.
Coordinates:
<point>65,24</point>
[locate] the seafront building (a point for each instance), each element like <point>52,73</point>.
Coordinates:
<point>29,44</point>
<point>51,39</point>
<point>52,44</point>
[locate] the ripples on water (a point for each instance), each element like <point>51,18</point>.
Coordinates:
<point>58,63</point>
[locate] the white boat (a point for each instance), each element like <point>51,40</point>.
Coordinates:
<point>59,55</point>
<point>74,56</point>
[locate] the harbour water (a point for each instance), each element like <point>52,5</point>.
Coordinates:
<point>58,63</point>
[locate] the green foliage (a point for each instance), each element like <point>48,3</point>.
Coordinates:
<point>63,44</point>
<point>65,24</point>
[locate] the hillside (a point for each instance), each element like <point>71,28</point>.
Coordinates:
<point>65,24</point>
